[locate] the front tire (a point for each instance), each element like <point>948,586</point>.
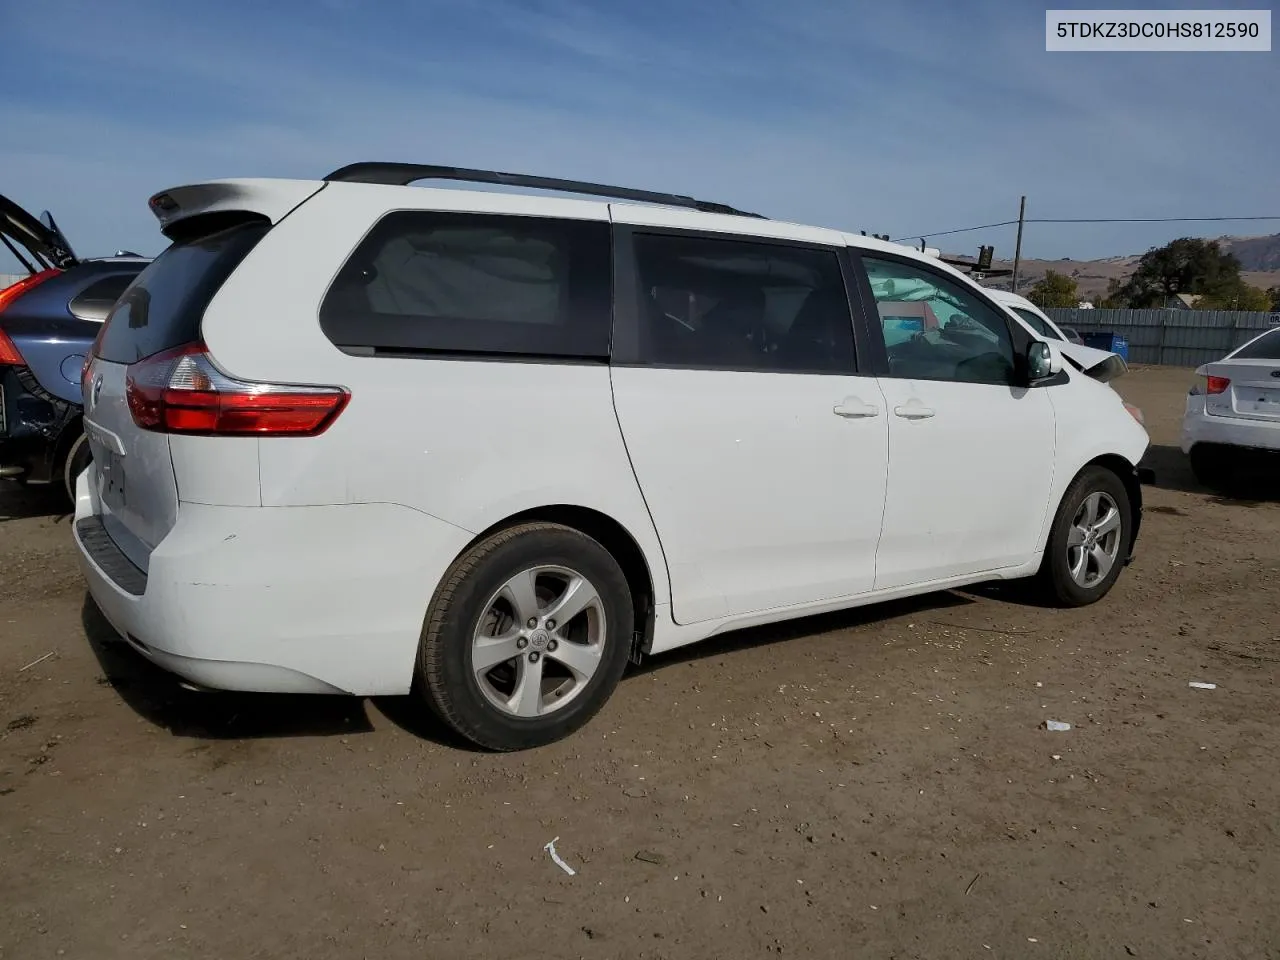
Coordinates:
<point>1089,541</point>
<point>527,636</point>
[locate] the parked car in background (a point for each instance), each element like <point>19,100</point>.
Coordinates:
<point>48,321</point>
<point>1231,428</point>
<point>354,436</point>
<point>1072,345</point>
<point>1102,365</point>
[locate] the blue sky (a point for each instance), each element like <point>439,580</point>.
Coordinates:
<point>895,117</point>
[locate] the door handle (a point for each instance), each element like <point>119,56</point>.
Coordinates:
<point>851,408</point>
<point>914,410</point>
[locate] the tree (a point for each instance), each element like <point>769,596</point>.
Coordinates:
<point>1055,290</point>
<point>1243,297</point>
<point>1114,298</point>
<point>1186,265</point>
<point>1274,294</point>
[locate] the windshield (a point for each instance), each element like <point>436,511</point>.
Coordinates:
<point>1266,347</point>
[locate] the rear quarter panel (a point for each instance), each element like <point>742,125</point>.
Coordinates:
<point>470,442</point>
<point>51,340</point>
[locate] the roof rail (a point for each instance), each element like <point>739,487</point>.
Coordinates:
<point>403,174</point>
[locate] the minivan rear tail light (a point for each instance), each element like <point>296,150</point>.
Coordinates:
<point>181,391</point>
<point>1216,384</point>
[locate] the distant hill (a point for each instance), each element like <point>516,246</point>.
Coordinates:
<point>1259,261</point>
<point>1256,254</point>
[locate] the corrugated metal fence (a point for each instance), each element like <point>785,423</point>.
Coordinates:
<point>9,279</point>
<point>1176,338</point>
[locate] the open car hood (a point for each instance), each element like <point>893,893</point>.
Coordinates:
<point>37,246</point>
<point>1102,365</point>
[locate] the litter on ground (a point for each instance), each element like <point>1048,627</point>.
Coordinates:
<point>551,849</point>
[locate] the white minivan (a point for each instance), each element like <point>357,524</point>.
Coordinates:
<point>356,436</point>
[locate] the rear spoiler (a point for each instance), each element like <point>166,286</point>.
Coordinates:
<point>272,200</point>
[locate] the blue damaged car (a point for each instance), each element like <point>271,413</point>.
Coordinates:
<point>48,322</point>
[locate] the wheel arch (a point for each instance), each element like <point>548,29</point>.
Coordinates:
<point>1127,473</point>
<point>615,538</point>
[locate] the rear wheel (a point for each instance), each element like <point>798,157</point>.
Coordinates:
<point>527,637</point>
<point>1089,540</point>
<point>1213,468</point>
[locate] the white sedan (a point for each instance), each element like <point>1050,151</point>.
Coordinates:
<point>1233,412</point>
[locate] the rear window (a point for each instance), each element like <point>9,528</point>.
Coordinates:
<point>1266,347</point>
<point>163,307</point>
<point>478,284</point>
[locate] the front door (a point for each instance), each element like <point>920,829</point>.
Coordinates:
<point>971,455</point>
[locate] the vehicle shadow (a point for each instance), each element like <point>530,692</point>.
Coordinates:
<point>24,503</point>
<point>160,698</point>
<point>752,637</point>
<point>1251,485</point>
<point>1172,469</point>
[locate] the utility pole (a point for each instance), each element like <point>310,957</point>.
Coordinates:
<point>1017,250</point>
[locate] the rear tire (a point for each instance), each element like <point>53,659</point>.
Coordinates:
<point>77,461</point>
<point>1214,469</point>
<point>1089,541</point>
<point>502,597</point>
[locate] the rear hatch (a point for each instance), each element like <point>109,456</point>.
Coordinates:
<point>1102,365</point>
<point>132,477</point>
<point>36,245</point>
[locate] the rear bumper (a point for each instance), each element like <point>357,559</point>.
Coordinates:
<point>280,600</point>
<point>1199,427</point>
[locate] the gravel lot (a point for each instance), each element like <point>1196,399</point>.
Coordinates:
<point>868,784</point>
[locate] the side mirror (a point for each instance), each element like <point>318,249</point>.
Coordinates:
<point>1043,361</point>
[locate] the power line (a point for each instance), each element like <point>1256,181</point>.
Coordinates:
<point>1009,223</point>
<point>1151,220</point>
<point>945,233</point>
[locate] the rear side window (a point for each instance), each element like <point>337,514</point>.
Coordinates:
<point>475,284</point>
<point>742,305</point>
<point>162,309</point>
<point>95,301</point>
<point>1266,347</point>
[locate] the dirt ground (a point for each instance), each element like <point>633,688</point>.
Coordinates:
<point>868,784</point>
